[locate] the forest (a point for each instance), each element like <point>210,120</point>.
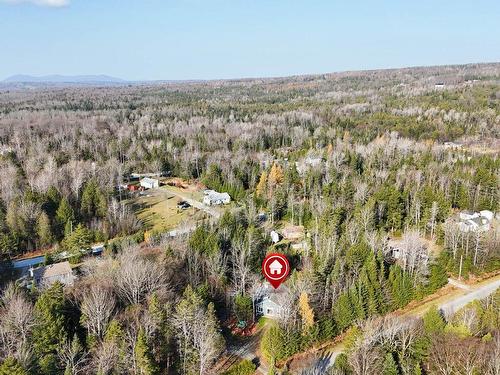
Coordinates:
<point>357,160</point>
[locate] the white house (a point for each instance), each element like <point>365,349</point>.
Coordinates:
<point>47,275</point>
<point>275,268</point>
<point>309,162</point>
<point>275,237</point>
<point>273,303</point>
<point>150,183</point>
<point>452,145</point>
<point>475,221</point>
<point>487,214</point>
<point>213,198</point>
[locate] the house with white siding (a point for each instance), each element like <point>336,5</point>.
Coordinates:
<point>273,303</point>
<point>214,198</point>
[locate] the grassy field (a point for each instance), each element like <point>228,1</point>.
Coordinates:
<point>159,213</point>
<point>190,193</point>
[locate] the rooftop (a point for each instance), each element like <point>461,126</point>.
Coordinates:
<point>52,270</point>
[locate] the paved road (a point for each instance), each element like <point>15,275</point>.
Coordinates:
<point>479,292</point>
<point>327,358</point>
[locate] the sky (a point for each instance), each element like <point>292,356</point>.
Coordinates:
<point>212,39</point>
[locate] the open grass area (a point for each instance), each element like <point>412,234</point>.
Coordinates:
<point>159,213</point>
<point>189,193</point>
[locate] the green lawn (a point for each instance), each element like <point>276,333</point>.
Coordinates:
<point>159,212</point>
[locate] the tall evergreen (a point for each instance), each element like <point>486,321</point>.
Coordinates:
<point>433,321</point>
<point>10,366</point>
<point>390,366</point>
<point>144,356</point>
<point>343,312</point>
<point>49,330</point>
<point>272,344</point>
<point>93,203</point>
<point>401,287</point>
<point>44,230</point>
<point>64,216</point>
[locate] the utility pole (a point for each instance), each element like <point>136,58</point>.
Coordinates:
<point>460,268</point>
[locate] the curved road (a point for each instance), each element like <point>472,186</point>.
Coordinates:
<point>327,357</point>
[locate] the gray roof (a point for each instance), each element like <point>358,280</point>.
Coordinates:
<point>278,296</point>
<point>52,270</point>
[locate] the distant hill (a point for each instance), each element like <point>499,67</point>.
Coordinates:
<point>22,78</point>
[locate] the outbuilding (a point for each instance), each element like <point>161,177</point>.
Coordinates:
<point>150,183</point>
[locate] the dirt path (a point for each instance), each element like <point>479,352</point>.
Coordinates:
<point>199,205</point>
<point>237,352</point>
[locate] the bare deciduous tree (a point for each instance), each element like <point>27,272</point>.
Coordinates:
<point>16,322</point>
<point>137,277</point>
<point>97,308</point>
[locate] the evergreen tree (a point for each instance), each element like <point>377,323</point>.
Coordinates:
<point>245,367</point>
<point>214,178</point>
<point>93,203</point>
<point>341,364</point>
<point>52,201</point>
<point>243,308</point>
<point>343,312</point>
<point>44,230</point>
<point>8,246</point>
<point>162,335</point>
<point>64,215</point>
<point>370,301</point>
<point>114,332</point>
<point>143,355</point>
<point>81,238</point>
<point>438,276</point>
<point>12,367</point>
<point>401,287</point>
<point>433,321</point>
<point>68,228</point>
<point>390,366</point>
<point>272,344</point>
<point>49,330</point>
<point>356,299</point>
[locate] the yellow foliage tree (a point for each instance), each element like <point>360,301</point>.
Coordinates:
<point>306,312</point>
<point>261,186</point>
<point>147,236</point>
<point>329,149</point>
<point>275,175</point>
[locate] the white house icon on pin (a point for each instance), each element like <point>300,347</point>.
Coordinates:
<point>275,268</point>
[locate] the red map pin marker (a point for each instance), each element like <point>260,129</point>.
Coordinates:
<point>275,268</point>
